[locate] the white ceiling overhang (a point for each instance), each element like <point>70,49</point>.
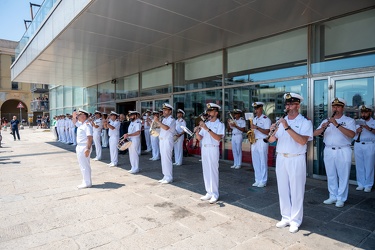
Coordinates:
<point>115,38</point>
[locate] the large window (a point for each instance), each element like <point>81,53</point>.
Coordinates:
<point>157,81</point>
<point>198,73</point>
<point>106,92</point>
<point>127,87</point>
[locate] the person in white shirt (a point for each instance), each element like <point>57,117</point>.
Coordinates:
<point>83,148</point>
<point>167,130</point>
<point>155,140</point>
<point>210,134</point>
<point>364,150</point>
<point>67,129</point>
<point>179,142</point>
<point>292,135</point>
<point>97,125</point>
<point>134,135</point>
<point>104,131</point>
<point>259,150</point>
<point>113,126</point>
<point>237,125</point>
<point>338,131</point>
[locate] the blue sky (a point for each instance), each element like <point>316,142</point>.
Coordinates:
<point>12,14</point>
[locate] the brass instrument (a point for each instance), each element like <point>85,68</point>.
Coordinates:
<point>360,123</point>
<point>250,133</point>
<point>231,121</point>
<point>154,129</point>
<point>273,131</point>
<point>324,130</point>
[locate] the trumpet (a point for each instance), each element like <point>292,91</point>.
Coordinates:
<point>324,130</point>
<point>273,131</point>
<point>231,121</point>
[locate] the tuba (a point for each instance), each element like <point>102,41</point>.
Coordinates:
<point>250,133</point>
<point>154,129</point>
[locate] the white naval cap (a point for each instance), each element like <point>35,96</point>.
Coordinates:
<point>180,111</point>
<point>212,106</point>
<point>293,97</point>
<point>130,112</point>
<point>365,108</point>
<point>237,111</point>
<point>257,104</point>
<point>97,112</point>
<point>113,113</point>
<point>338,102</point>
<point>82,111</point>
<point>167,106</point>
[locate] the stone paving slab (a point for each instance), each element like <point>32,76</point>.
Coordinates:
<point>40,207</point>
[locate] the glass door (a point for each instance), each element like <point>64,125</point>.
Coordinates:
<point>355,90</point>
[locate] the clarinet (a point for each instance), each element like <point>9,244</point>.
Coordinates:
<point>324,130</point>
<point>272,132</point>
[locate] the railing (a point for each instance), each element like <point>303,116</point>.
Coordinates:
<point>39,106</point>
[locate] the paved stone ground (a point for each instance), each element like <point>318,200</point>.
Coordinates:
<point>40,207</point>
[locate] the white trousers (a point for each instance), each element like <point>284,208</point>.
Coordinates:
<point>291,179</point>
<point>148,138</point>
<point>178,150</point>
<point>62,133</point>
<point>113,151</point>
<point>166,147</point>
<point>337,163</point>
<point>98,145</point>
<point>259,156</point>
<point>210,166</point>
<point>237,149</point>
<point>73,135</point>
<point>67,136</point>
<point>104,138</point>
<point>84,164</point>
<point>133,154</point>
<point>155,147</point>
<point>364,161</point>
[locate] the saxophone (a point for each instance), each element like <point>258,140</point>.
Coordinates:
<point>250,133</point>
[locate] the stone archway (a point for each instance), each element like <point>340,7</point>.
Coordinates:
<point>9,109</point>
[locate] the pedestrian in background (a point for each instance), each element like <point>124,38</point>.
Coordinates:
<point>15,124</point>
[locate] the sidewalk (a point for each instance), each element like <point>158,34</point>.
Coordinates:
<point>40,207</point>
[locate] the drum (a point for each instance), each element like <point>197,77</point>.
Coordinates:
<point>123,144</point>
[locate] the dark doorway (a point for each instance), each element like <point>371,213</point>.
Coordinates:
<point>124,107</point>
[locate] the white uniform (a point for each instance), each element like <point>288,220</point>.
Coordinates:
<point>259,150</point>
<point>210,157</point>
<point>133,149</point>
<point>72,130</point>
<point>105,137</point>
<point>97,138</point>
<point>83,131</point>
<point>139,146</point>
<point>338,158</point>
<point>237,136</point>
<point>178,145</point>
<point>114,135</point>
<point>364,152</point>
<point>166,147</point>
<point>155,147</point>
<point>67,133</point>
<point>58,129</point>
<point>62,130</point>
<point>291,169</point>
<point>146,127</point>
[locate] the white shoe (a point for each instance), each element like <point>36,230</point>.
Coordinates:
<point>368,190</point>
<point>95,159</point>
<point>160,180</point>
<point>255,184</point>
<point>339,204</point>
<point>156,159</point>
<point>261,185</point>
<point>206,197</point>
<point>282,224</point>
<point>237,167</point>
<point>112,165</point>
<point>233,166</point>
<point>213,200</point>
<point>165,182</point>
<point>359,188</point>
<point>151,159</point>
<point>293,229</point>
<point>177,164</point>
<point>133,172</point>
<point>174,163</point>
<point>330,201</point>
<point>82,186</point>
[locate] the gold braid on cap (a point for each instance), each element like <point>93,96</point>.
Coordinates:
<point>208,105</point>
<point>365,109</point>
<point>255,104</point>
<point>336,100</point>
<point>288,96</point>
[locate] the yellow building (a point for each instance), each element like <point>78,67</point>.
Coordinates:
<point>14,93</point>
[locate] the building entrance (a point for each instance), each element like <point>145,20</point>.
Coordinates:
<point>355,90</point>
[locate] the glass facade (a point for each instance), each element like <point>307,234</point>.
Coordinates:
<point>319,62</point>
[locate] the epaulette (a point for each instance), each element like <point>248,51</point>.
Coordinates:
<point>264,116</point>
<point>241,118</point>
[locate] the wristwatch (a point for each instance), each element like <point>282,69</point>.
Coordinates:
<point>287,128</point>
